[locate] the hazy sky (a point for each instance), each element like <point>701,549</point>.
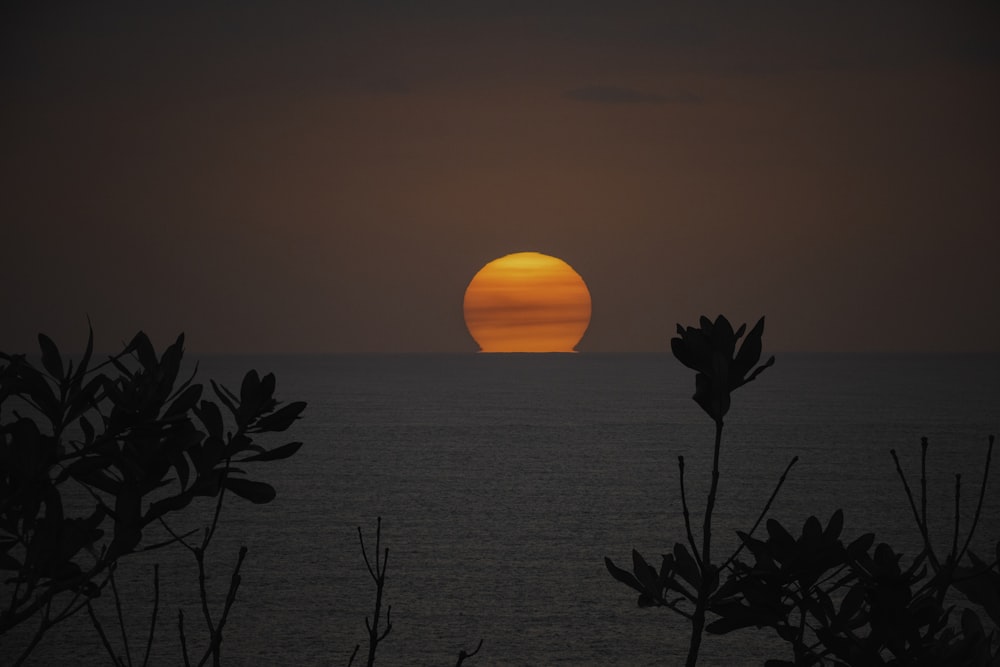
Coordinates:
<point>270,176</point>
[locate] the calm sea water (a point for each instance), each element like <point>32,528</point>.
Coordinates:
<point>504,480</point>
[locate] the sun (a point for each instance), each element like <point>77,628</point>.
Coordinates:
<point>527,302</point>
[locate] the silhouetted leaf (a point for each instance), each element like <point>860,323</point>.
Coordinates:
<point>211,417</point>
<point>280,420</point>
<point>87,428</point>
<point>623,576</point>
<point>143,349</point>
<point>759,550</point>
<point>169,367</point>
<point>812,530</point>
<point>780,541</point>
<point>258,493</point>
<point>250,397</point>
<point>645,573</point>
<point>226,397</point>
<point>750,350</point>
<point>266,388</point>
<point>81,370</point>
<point>184,402</point>
<point>183,468</point>
<point>886,559</point>
<point>51,359</point>
<point>834,527</point>
<point>860,546</point>
<point>40,392</point>
<point>851,604</point>
<point>687,567</point>
<point>282,452</point>
<point>84,398</point>
<point>737,617</point>
<point>239,443</point>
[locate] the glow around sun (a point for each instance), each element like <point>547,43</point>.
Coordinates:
<point>527,302</point>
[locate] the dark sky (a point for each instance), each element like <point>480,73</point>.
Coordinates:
<point>328,177</point>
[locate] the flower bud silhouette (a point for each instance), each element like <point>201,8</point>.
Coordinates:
<point>710,351</point>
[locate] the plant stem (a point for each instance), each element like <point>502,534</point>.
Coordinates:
<point>705,589</point>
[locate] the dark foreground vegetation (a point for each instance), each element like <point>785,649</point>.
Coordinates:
<point>832,603</point>
<point>143,443</point>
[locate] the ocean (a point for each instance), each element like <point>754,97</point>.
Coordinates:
<point>502,482</point>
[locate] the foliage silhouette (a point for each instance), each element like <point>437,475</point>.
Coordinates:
<point>142,447</point>
<point>377,574</point>
<point>844,605</point>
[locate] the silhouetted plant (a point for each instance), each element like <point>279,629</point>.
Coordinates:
<point>859,607</point>
<point>690,577</point>
<point>829,601</point>
<point>142,448</point>
<point>377,574</point>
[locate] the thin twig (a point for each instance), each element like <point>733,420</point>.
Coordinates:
<point>378,576</point>
<point>121,617</point>
<point>979,505</point>
<point>462,655</point>
<point>100,633</point>
<point>216,635</point>
<point>687,514</point>
<point>218,504</point>
<point>199,555</point>
<point>958,505</point>
<point>180,631</point>
<point>43,627</point>
<point>698,619</point>
<point>923,487</point>
<point>916,515</point>
<point>156,608</point>
<point>763,512</point>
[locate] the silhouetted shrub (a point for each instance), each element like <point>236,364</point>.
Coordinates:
<point>833,604</point>
<point>142,447</point>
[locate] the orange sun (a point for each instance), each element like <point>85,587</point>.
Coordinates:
<point>527,302</point>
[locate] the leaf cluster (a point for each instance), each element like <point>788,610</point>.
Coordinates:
<point>845,605</point>
<point>850,605</point>
<point>142,444</point>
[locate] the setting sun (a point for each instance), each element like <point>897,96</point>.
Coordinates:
<point>527,302</point>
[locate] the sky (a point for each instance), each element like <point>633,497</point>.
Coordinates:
<point>329,176</point>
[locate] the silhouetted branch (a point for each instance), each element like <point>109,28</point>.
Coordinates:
<point>462,655</point>
<point>921,524</point>
<point>213,650</point>
<point>121,617</point>
<point>199,555</point>
<point>687,514</point>
<point>100,633</point>
<point>378,576</point>
<point>180,632</point>
<point>958,506</point>
<point>706,584</point>
<point>923,488</point>
<point>156,608</point>
<point>763,512</point>
<point>979,505</point>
